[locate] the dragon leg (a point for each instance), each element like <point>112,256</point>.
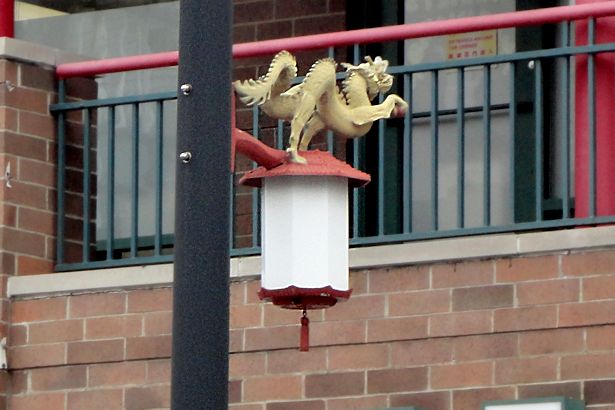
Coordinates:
<point>367,114</point>
<point>304,111</point>
<point>313,126</point>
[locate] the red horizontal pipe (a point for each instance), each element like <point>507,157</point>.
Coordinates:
<point>344,38</point>
<point>7,18</point>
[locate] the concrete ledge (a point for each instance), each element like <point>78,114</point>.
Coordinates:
<point>21,50</point>
<point>440,250</point>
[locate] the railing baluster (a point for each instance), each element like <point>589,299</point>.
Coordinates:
<point>512,125</point>
<point>434,148</point>
<point>461,148</point>
<point>330,137</point>
<point>591,97</point>
<point>538,132</point>
<point>60,175</point>
<point>487,145</point>
<point>158,181</point>
<point>111,183</point>
<point>407,159</point>
<point>356,164</point>
<point>255,193</point>
<point>380,174</point>
<point>134,234</point>
<point>86,186</point>
<point>565,104</point>
<point>280,135</point>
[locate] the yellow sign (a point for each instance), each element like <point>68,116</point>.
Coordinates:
<point>475,44</point>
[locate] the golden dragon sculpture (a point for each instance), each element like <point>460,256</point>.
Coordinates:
<point>317,103</point>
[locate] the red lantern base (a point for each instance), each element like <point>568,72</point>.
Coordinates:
<point>293,297</point>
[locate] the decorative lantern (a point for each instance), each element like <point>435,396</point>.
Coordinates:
<point>304,232</point>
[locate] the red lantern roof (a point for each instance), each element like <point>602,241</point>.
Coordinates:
<point>319,163</point>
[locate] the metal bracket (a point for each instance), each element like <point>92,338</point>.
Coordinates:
<point>7,175</point>
<point>3,363</point>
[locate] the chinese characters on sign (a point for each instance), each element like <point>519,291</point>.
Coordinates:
<point>475,44</point>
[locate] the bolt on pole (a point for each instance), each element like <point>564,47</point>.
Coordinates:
<point>199,377</point>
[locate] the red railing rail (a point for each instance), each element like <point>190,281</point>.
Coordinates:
<point>7,18</point>
<point>346,38</point>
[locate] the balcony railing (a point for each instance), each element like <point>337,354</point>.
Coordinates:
<point>492,143</point>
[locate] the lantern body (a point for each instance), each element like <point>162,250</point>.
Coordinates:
<point>305,232</point>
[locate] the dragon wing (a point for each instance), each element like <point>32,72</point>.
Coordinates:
<point>282,71</point>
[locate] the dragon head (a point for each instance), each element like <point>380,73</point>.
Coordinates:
<point>374,71</point>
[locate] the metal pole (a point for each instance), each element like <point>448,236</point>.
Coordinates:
<point>7,18</point>
<point>199,378</point>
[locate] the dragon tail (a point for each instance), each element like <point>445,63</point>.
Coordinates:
<point>282,70</point>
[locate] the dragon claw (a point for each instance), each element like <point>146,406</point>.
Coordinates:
<point>294,156</point>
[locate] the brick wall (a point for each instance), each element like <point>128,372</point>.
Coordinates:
<point>441,336</point>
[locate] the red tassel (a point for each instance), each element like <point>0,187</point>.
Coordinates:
<point>305,333</point>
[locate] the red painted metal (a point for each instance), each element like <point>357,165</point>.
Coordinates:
<point>344,38</point>
<point>7,18</point>
<point>319,163</point>
<point>604,121</point>
<point>293,297</point>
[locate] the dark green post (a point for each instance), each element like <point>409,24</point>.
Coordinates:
<point>200,307</point>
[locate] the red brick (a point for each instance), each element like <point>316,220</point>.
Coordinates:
<point>7,263</point>
<point>19,381</point>
<point>541,317</point>
<point>252,288</point>
<point>272,388</point>
<point>293,361</point>
<point>273,30</point>
<point>333,333</point>
<point>511,371</point>
<point>27,99</point>
<point>451,275</point>
<point>524,268</point>
<point>237,293</point>
<point>422,302</point>
<point>421,352</point>
<point>599,392</point>
<point>247,406</point>
<point>236,340</point>
<point>8,215</point>
<point>24,146</point>
<point>18,335</point>
<point>158,371</point>
<point>589,263</point>
<point>37,221</point>
<point>591,366</point>
<point>9,70</point>
<point>299,8</point>
<point>254,11</point>
<point>117,374</point>
<point>27,265</point>
<point>95,399</point>
<point>296,405</point>
<point>41,173</point>
<point>461,323</point>
<point>484,297</point>
<point>334,384</point>
<point>399,279</point>
<point>37,125</point>
<point>153,397</point>
<point>601,338</point>
<point>97,305</point>
<point>366,402</point>
<point>45,401</point>
<point>95,352</point>
<point>570,389</point>
<point>591,313</point>
<point>319,24</point>
<point>602,287</point>
<point>35,76</point>
<point>356,357</point>
<point>473,398</point>
<point>273,337</point>
<point>21,357</point>
<point>551,341</point>
<point>150,300</point>
<point>432,400</point>
<point>148,347</point>
<point>274,316</point>
<point>56,331</point>
<point>8,119</point>
<point>358,282</point>
<point>243,34</point>
<point>461,375</point>
<point>58,378</point>
<point>38,310</point>
<point>396,380</point>
<point>234,391</point>
<point>23,242</point>
<point>359,307</point>
<point>253,364</point>
<point>404,328</point>
<point>547,292</point>
<point>113,327</point>
<point>157,323</point>
<point>485,347</point>
<point>246,316</point>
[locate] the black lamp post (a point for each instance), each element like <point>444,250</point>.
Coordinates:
<point>199,377</point>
